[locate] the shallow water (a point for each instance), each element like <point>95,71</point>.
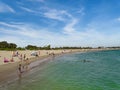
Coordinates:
<point>78,71</point>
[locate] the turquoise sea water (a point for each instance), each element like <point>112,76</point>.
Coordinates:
<point>79,71</point>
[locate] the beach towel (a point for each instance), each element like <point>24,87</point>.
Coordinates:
<point>6,60</point>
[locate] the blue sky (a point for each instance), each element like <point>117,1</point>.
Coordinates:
<point>60,22</point>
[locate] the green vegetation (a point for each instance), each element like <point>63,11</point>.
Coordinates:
<point>31,47</point>
<point>7,46</point>
<point>4,45</point>
<point>20,48</point>
<point>72,48</point>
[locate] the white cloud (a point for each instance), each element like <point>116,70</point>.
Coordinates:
<point>55,14</point>
<point>25,30</point>
<point>37,0</point>
<point>81,11</point>
<point>29,35</point>
<point>40,0</point>
<point>8,25</point>
<point>31,10</point>
<point>69,28</point>
<point>118,19</point>
<point>24,34</point>
<point>64,16</point>
<point>26,9</point>
<point>5,8</point>
<point>20,29</point>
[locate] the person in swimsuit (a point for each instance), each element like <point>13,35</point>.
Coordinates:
<point>20,68</point>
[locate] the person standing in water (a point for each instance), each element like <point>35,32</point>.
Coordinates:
<point>27,63</point>
<point>20,70</point>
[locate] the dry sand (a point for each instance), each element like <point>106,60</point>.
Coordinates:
<point>8,54</point>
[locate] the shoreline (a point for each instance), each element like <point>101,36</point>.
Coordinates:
<point>9,72</point>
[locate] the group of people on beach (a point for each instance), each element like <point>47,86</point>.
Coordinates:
<point>24,61</point>
<point>6,60</point>
<point>14,54</point>
<point>23,66</point>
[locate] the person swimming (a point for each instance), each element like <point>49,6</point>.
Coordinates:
<point>86,60</point>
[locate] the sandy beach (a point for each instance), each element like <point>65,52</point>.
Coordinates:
<point>9,71</point>
<point>27,53</point>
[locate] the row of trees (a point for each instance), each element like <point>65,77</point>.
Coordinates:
<point>4,45</point>
<point>31,47</point>
<point>72,48</point>
<point>48,47</point>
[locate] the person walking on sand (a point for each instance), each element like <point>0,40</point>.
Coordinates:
<point>39,53</point>
<point>20,57</point>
